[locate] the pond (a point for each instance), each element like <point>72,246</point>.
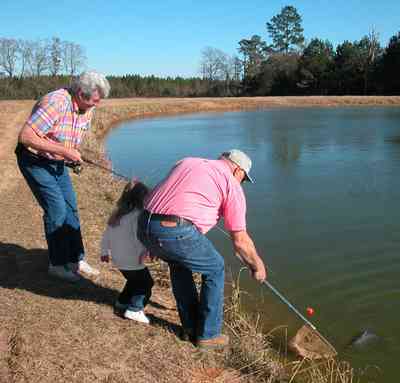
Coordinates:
<point>323,212</point>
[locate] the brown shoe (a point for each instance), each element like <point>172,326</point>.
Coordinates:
<point>220,341</point>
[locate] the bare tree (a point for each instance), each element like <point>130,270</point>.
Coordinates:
<point>216,65</point>
<point>213,64</point>
<point>24,54</point>
<point>237,69</point>
<point>370,50</point>
<point>38,57</point>
<point>73,57</point>
<point>8,55</point>
<point>55,59</point>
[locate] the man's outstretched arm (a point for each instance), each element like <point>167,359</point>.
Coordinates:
<point>246,251</point>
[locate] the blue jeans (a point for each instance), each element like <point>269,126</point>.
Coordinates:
<point>51,185</point>
<point>137,290</point>
<point>187,250</point>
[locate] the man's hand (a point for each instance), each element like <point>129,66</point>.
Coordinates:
<point>31,139</point>
<point>259,275</point>
<point>72,155</point>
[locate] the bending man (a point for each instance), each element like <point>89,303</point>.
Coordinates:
<point>49,139</point>
<point>178,213</point>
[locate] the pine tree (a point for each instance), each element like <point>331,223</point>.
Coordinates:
<point>286,31</point>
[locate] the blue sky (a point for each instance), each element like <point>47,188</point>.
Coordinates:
<point>166,37</point>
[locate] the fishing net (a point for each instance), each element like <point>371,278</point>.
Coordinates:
<point>307,342</point>
<point>310,344</point>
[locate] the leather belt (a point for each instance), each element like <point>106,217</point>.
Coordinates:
<point>23,150</point>
<point>167,218</point>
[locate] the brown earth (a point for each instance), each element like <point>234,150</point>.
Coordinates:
<point>58,332</point>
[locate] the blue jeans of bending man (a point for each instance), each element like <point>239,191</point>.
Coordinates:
<point>187,250</point>
<point>51,185</point>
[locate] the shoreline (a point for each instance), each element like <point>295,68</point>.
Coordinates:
<point>114,111</point>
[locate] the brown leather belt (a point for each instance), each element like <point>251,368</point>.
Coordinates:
<point>167,218</point>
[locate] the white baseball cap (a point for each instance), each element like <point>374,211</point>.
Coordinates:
<point>241,159</point>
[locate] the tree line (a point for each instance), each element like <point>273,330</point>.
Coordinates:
<point>290,66</point>
<point>30,87</point>
<point>29,69</point>
<point>286,65</point>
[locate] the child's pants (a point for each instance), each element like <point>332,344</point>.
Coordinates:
<point>137,291</point>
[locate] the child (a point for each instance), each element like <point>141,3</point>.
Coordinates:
<point>121,243</point>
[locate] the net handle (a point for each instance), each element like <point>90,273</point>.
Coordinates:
<point>283,299</point>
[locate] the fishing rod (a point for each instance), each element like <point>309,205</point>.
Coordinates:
<point>90,162</point>
<point>77,168</point>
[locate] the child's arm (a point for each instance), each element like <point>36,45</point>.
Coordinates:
<point>106,246</point>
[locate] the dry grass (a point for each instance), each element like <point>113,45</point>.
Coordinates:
<point>55,332</point>
<point>253,355</point>
<point>252,352</point>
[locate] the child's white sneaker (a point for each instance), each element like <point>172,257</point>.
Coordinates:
<point>138,316</point>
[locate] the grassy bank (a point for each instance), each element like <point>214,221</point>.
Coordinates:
<point>55,332</point>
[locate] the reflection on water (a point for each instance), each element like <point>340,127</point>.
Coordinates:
<point>324,211</point>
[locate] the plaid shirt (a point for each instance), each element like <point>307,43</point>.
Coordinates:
<point>56,117</point>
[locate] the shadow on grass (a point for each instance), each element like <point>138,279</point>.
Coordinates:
<point>26,269</point>
<point>166,324</point>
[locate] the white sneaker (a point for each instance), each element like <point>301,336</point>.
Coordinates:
<point>83,267</point>
<point>62,272</point>
<point>138,316</point>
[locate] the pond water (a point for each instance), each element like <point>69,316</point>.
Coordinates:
<point>323,212</point>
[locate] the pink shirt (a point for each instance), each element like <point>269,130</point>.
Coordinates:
<point>201,191</point>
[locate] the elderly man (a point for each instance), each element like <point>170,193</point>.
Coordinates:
<point>178,213</point>
<point>48,141</point>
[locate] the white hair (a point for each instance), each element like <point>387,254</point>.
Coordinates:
<point>90,81</point>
